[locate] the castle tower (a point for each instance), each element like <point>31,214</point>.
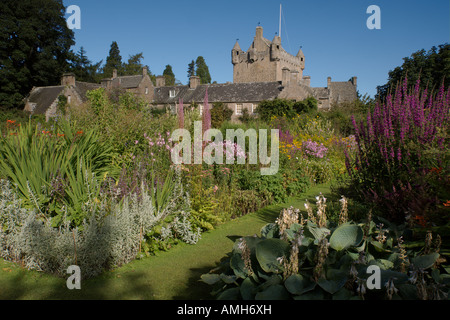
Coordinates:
<point>235,52</point>
<point>264,60</point>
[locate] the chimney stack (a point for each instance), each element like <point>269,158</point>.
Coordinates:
<point>328,81</point>
<point>160,81</point>
<point>68,79</point>
<point>194,82</point>
<point>114,74</point>
<point>144,71</point>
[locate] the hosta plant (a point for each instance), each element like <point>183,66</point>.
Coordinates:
<point>308,258</point>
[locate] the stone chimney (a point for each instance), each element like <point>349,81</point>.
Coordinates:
<point>114,76</point>
<point>294,77</point>
<point>354,81</point>
<point>68,79</point>
<point>194,82</point>
<point>328,82</point>
<point>307,81</point>
<point>285,76</point>
<point>144,71</point>
<point>160,81</point>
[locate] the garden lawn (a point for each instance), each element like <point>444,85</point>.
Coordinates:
<point>170,275</point>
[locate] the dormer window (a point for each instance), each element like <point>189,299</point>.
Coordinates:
<point>172,93</point>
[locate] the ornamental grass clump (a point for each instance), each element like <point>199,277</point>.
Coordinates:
<point>400,144</point>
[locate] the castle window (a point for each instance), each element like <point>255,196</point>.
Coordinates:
<point>69,98</point>
<point>201,109</point>
<point>239,109</point>
<point>172,93</point>
<point>146,90</point>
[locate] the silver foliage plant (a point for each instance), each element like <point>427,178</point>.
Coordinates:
<point>104,241</point>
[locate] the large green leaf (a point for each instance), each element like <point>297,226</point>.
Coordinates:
<point>275,292</point>
<point>297,284</point>
<point>269,251</point>
<point>426,261</point>
<point>346,236</point>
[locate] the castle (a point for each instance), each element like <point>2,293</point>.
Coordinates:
<point>264,72</point>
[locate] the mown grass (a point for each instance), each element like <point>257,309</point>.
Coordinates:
<point>171,275</point>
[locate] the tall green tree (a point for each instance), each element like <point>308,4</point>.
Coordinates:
<point>169,75</point>
<point>202,70</point>
<point>34,47</point>
<point>113,61</point>
<point>134,64</point>
<point>432,67</point>
<point>84,69</point>
<point>191,70</point>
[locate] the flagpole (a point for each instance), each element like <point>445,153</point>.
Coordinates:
<point>279,30</point>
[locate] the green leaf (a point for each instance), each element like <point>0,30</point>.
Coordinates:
<point>426,261</point>
<point>227,279</point>
<point>248,289</point>
<point>269,230</point>
<point>336,279</point>
<point>210,278</point>
<point>268,251</point>
<point>346,236</point>
<point>297,284</point>
<point>275,292</point>
<point>229,294</point>
<point>342,294</point>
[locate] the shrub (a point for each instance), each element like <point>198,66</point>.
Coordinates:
<point>304,259</point>
<point>41,163</point>
<point>399,144</point>
<point>102,241</point>
<point>220,113</point>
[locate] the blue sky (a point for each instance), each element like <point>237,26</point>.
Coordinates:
<point>333,34</point>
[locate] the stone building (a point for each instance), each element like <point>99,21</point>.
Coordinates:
<point>44,100</point>
<point>237,96</point>
<point>264,72</point>
<point>140,85</point>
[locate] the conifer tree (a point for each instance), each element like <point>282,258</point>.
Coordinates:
<point>169,75</point>
<point>202,70</point>
<point>34,47</point>
<point>191,69</point>
<point>113,61</point>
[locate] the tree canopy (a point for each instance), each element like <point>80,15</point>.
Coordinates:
<point>113,61</point>
<point>432,67</point>
<point>34,47</point>
<point>202,70</point>
<point>169,75</point>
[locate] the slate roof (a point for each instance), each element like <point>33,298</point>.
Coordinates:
<point>342,91</point>
<point>127,82</point>
<point>43,97</point>
<point>227,92</point>
<point>83,87</point>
